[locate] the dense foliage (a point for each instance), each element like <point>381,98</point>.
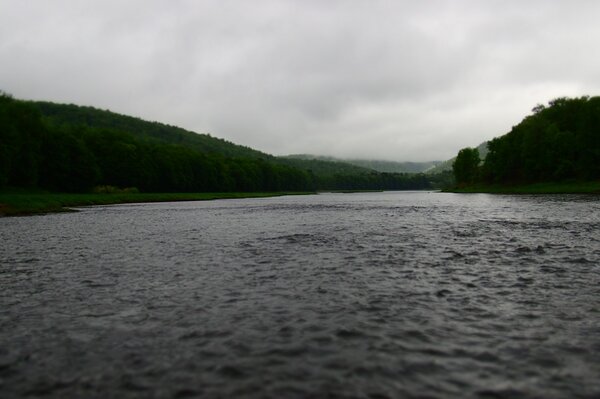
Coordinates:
<point>324,168</point>
<point>373,165</point>
<point>60,115</point>
<point>466,166</point>
<point>375,181</point>
<point>556,143</point>
<point>332,174</point>
<point>70,148</point>
<point>77,157</point>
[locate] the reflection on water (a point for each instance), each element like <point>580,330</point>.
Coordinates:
<point>358,295</point>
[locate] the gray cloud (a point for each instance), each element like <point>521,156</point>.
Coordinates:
<point>399,80</point>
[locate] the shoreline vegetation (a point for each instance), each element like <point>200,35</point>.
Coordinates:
<point>555,150</point>
<point>47,150</point>
<point>589,187</point>
<point>35,203</point>
<point>25,203</point>
<point>68,148</point>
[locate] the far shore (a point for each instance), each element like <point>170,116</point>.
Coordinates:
<point>32,203</point>
<point>590,187</point>
<point>22,203</point>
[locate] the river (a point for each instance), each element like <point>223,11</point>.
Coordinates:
<point>374,295</point>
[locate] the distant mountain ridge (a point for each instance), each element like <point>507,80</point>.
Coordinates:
<point>375,165</point>
<point>325,166</point>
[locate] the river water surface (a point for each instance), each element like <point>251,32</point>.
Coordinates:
<point>379,295</point>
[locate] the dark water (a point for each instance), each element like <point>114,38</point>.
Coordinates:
<point>385,295</point>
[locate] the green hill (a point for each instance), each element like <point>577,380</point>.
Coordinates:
<point>71,148</point>
<point>74,115</point>
<point>338,175</point>
<point>377,165</point>
<point>70,115</point>
<point>557,143</point>
<point>323,166</point>
<point>395,167</point>
<point>67,148</point>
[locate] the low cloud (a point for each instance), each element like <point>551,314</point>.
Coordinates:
<point>396,80</point>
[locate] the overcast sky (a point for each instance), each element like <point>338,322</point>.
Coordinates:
<point>396,80</point>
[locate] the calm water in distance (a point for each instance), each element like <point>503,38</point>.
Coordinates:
<point>379,295</point>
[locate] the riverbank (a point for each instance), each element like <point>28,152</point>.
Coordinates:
<point>592,187</point>
<point>349,191</point>
<point>27,203</point>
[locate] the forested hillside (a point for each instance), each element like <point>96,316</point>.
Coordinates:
<point>59,115</point>
<point>36,153</point>
<point>376,165</point>
<point>558,142</point>
<point>334,174</point>
<point>395,167</point>
<point>321,167</point>
<point>71,148</point>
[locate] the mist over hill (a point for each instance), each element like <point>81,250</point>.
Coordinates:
<point>372,164</point>
<point>446,166</point>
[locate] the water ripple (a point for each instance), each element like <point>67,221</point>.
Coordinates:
<point>379,295</point>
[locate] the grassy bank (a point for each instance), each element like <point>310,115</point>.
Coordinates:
<point>29,203</point>
<point>592,187</point>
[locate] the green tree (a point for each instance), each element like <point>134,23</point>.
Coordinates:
<point>466,166</point>
<point>66,164</point>
<point>558,142</point>
<point>21,131</point>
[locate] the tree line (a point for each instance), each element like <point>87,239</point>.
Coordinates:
<point>77,158</point>
<point>557,142</point>
<point>71,157</point>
